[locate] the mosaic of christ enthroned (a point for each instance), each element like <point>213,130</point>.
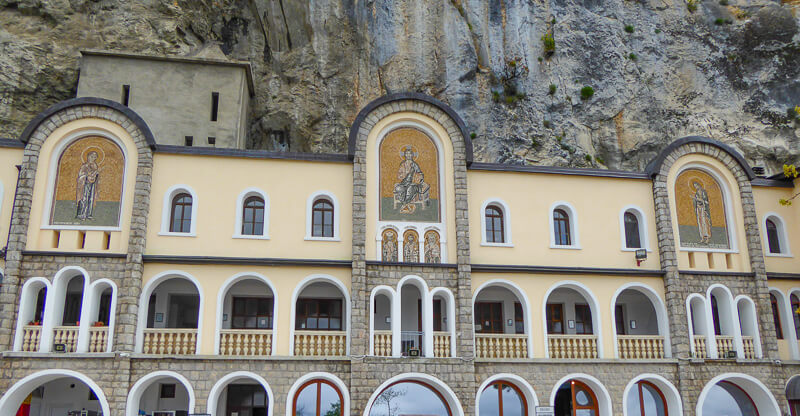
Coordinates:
<point>88,187</point>
<point>701,211</point>
<point>409,181</point>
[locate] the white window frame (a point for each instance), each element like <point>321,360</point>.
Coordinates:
<point>573,226</point>
<point>247,193</point>
<point>783,239</point>
<point>506,223</point>
<point>644,236</point>
<point>167,209</point>
<point>310,216</point>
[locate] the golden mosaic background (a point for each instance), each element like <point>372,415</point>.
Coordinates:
<point>683,198</point>
<point>111,161</point>
<point>391,157</point>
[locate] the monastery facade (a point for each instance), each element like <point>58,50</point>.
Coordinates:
<point>155,265</point>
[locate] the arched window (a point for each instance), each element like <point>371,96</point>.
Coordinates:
<point>502,398</point>
<point>495,228</point>
<point>772,237</point>
<point>253,216</point>
<point>181,213</point>
<point>775,230</point>
<point>726,398</point>
<point>317,397</point>
<point>632,235</point>
<point>410,397</point>
<point>561,228</point>
<point>576,398</point>
<point>795,308</point>
<point>793,395</point>
<point>776,316</point>
<point>322,218</point>
<point>715,315</point>
<point>645,399</point>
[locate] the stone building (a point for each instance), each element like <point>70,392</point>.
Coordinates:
<point>145,275</point>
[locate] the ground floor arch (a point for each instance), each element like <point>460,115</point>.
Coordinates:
<point>580,391</point>
<point>413,393</point>
<point>160,390</point>
<point>736,394</point>
<point>58,390</point>
<point>253,395</point>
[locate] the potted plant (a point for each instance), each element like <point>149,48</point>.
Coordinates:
<point>98,323</point>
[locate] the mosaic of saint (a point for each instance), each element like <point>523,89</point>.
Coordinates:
<point>409,175</point>
<point>701,211</point>
<point>389,245</point>
<point>410,247</point>
<point>88,187</point>
<point>433,250</point>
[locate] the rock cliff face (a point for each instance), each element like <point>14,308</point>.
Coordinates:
<point>729,69</point>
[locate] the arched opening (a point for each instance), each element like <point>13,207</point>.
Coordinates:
<point>723,317</point>
<point>576,398</point>
<point>793,395</point>
<point>180,217</point>
<point>318,397</point>
<point>571,318</point>
<point>413,317</point>
<point>736,395</point>
<point>442,324</point>
<point>640,325</point>
<point>382,322</point>
<point>173,311</point>
<point>633,235</point>
<point>698,321</point>
<point>101,316</point>
<point>410,397</point>
<point>161,391</point>
<point>31,315</point>
<point>748,323</point>
<point>500,318</point>
<point>646,399</point>
<point>320,319</point>
<point>777,243</point>
<point>240,394</point>
<point>67,311</point>
<point>248,317</point>
<point>322,218</point>
<point>494,221</point>
<point>502,398</point>
<point>53,392</point>
<point>795,307</point>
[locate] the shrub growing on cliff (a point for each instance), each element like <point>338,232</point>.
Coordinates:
<point>632,56</point>
<point>587,92</point>
<point>629,28</point>
<point>553,89</point>
<point>691,5</point>
<point>549,43</point>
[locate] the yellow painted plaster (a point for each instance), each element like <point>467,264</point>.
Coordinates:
<point>9,159</point>
<point>767,202</point>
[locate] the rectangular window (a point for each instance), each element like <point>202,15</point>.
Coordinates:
<point>715,315</point>
<point>555,318</point>
<point>183,311</point>
<point>104,311</point>
<point>126,95</point>
<point>72,309</point>
<point>583,320</point>
<point>167,391</point>
<point>246,400</point>
<point>619,319</point>
<point>214,105</point>
<point>251,313</point>
<point>437,314</point>
<point>319,314</point>
<point>519,319</point>
<point>489,317</point>
<point>776,317</point>
<point>188,140</point>
<point>212,141</point>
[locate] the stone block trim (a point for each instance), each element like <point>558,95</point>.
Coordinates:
<point>130,279</point>
<point>462,153</point>
<point>678,285</point>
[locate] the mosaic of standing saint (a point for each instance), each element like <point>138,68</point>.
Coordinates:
<point>410,247</point>
<point>389,245</point>
<point>88,188</point>
<point>701,211</point>
<point>409,173</point>
<point>433,251</point>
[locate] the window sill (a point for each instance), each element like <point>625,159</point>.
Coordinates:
<point>250,237</point>
<point>634,249</point>
<point>787,255</point>
<point>334,239</point>
<point>565,247</point>
<point>709,250</point>
<point>508,244</point>
<point>169,234</point>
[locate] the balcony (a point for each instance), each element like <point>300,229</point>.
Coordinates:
<point>749,347</point>
<point>66,335</point>
<point>572,346</point>
<point>640,347</point>
<point>170,341</point>
<point>700,350</point>
<point>320,343</point>
<point>383,343</point>
<point>724,344</point>
<point>245,342</point>
<point>98,338</point>
<point>441,344</point>
<point>30,338</point>
<point>501,345</point>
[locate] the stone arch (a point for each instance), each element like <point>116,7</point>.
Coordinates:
<point>336,381</point>
<point>324,278</point>
<point>521,296</point>
<point>135,392</point>
<point>658,305</point>
<point>522,384</point>
<point>12,398</point>
<point>221,384</point>
<point>441,387</point>
<point>222,293</point>
<point>591,300</point>
<point>759,393</point>
<point>603,398</point>
<point>671,394</point>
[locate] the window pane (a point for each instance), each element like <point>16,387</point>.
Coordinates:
<point>726,398</point>
<point>632,239</point>
<point>408,398</point>
<point>632,405</point>
<point>306,402</point>
<point>653,404</point>
<point>490,402</point>
<point>512,402</point>
<point>772,237</point>
<point>329,404</point>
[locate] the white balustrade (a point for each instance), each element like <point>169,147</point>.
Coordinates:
<point>749,347</point>
<point>67,335</point>
<point>640,347</point>
<point>700,350</point>
<point>31,334</point>
<point>382,344</point>
<point>170,341</point>
<point>98,338</point>
<point>441,344</point>
<point>320,343</point>
<point>724,344</point>
<point>245,342</point>
<point>501,345</point>
<point>572,346</point>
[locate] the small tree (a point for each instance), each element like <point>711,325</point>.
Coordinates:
<point>387,397</point>
<point>790,171</point>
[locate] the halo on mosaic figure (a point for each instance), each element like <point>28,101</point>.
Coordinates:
<point>101,156</point>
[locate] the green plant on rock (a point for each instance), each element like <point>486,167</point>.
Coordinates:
<point>723,2</point>
<point>719,21</point>
<point>691,5</point>
<point>473,135</point>
<point>600,160</point>
<point>629,28</point>
<point>513,70</point>
<point>546,123</point>
<point>495,96</point>
<point>632,56</point>
<point>588,158</point>
<point>553,89</point>
<point>549,43</point>
<point>587,92</point>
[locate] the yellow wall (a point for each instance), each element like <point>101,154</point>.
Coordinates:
<point>40,238</point>
<point>737,259</point>
<point>9,159</point>
<point>529,196</point>
<point>767,202</point>
<point>211,278</point>
<point>218,181</point>
<point>786,287</point>
<point>448,187</point>
<point>536,286</point>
